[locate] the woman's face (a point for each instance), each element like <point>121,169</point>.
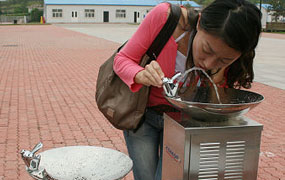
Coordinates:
<point>212,53</point>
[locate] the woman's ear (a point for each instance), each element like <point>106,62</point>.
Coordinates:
<point>198,22</point>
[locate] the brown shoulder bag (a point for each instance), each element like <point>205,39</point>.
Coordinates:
<point>123,108</point>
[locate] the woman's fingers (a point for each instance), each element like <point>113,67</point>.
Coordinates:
<point>155,73</point>
<point>158,70</point>
<point>151,75</point>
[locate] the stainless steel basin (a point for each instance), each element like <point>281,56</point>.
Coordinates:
<point>201,103</point>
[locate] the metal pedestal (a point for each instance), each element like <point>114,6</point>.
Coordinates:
<point>197,150</point>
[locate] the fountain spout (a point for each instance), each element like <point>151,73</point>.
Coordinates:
<point>171,86</point>
<point>32,162</point>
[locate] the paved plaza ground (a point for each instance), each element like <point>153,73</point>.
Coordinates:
<point>47,88</point>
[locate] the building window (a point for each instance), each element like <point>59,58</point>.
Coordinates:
<point>89,13</point>
<point>120,13</point>
<point>74,14</point>
<point>56,12</point>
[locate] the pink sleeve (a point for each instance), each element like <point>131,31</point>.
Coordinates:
<point>126,62</point>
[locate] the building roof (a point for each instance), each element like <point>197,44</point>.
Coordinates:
<point>116,2</point>
<point>103,2</point>
<point>266,6</point>
<point>192,3</point>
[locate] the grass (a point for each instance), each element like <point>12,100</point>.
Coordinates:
<point>275,32</point>
<point>279,32</point>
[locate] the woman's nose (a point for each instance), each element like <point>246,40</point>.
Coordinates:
<point>210,63</point>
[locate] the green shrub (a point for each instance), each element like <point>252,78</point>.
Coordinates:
<point>36,15</point>
<point>20,9</point>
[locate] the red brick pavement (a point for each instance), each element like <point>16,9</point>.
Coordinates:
<point>273,35</point>
<point>47,87</point>
<point>270,113</point>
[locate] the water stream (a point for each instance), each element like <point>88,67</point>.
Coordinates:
<point>203,71</point>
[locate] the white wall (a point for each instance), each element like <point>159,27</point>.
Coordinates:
<point>67,11</point>
<point>264,17</point>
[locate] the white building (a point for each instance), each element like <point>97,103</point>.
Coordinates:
<point>266,14</point>
<point>98,11</point>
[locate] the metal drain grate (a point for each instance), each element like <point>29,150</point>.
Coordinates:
<point>209,161</point>
<point>235,151</point>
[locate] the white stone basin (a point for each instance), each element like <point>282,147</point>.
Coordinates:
<point>85,163</point>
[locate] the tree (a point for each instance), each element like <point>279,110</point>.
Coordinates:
<point>203,2</point>
<point>36,15</point>
<point>20,9</point>
<point>207,2</point>
<point>255,1</point>
<point>278,8</point>
<point>187,5</point>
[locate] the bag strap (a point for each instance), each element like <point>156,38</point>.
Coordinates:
<point>165,33</point>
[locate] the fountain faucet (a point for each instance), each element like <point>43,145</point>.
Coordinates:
<point>170,87</point>
<point>32,162</point>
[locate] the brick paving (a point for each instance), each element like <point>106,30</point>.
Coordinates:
<point>273,35</point>
<point>47,88</point>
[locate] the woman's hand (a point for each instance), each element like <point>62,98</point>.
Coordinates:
<point>151,76</point>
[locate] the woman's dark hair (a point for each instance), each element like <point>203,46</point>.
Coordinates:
<point>238,23</point>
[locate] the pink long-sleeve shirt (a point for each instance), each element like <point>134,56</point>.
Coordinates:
<point>127,60</point>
